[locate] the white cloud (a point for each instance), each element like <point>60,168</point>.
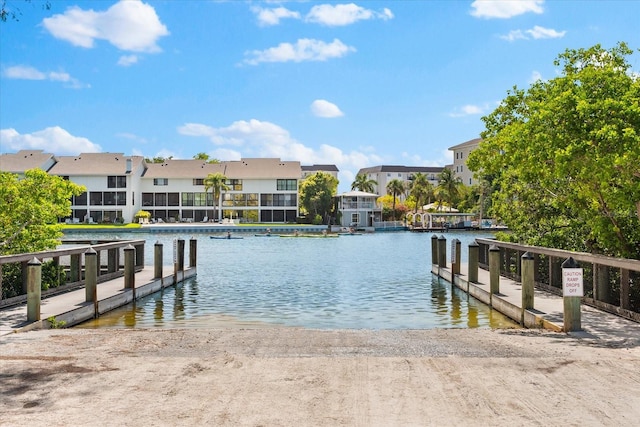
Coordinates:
<point>468,110</point>
<point>344,14</point>
<point>303,50</point>
<point>538,32</point>
<point>505,8</point>
<point>535,76</point>
<point>514,35</point>
<point>127,60</point>
<point>326,109</point>
<point>129,25</point>
<point>25,72</point>
<point>268,17</point>
<point>255,138</point>
<point>52,140</point>
<point>132,137</point>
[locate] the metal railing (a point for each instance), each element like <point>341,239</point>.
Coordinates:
<point>610,284</point>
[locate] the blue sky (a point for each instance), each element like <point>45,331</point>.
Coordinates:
<point>351,84</point>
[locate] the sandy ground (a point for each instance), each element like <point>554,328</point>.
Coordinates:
<point>298,377</point>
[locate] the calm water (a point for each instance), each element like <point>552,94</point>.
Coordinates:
<point>372,281</point>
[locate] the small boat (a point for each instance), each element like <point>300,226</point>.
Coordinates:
<point>266,235</point>
<point>225,237</point>
<point>350,234</point>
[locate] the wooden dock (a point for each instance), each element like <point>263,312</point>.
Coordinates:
<point>72,307</point>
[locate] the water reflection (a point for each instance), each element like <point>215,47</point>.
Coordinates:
<point>379,281</point>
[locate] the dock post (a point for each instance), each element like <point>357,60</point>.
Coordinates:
<point>180,254</point>
<point>157,260</point>
<point>129,268</point>
<point>572,292</point>
<point>442,251</point>
<point>455,257</point>
<point>474,250</point>
<point>434,249</point>
<point>91,278</point>
<point>494,269</point>
<point>75,268</point>
<point>34,283</point>
<point>527,266</point>
<point>193,251</point>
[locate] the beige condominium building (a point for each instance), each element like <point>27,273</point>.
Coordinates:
<point>383,174</point>
<point>118,186</point>
<point>460,155</point>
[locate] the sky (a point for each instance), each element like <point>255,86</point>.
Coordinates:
<point>351,84</point>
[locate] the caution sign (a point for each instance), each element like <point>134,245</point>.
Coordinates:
<point>572,282</point>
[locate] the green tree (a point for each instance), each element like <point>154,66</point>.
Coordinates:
<point>157,159</point>
<point>6,11</point>
<point>448,189</point>
<point>217,183</point>
<point>363,183</point>
<point>421,190</point>
<point>563,156</point>
<point>317,193</point>
<point>395,187</point>
<point>30,208</point>
<point>206,158</point>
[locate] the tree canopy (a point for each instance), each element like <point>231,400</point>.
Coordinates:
<point>563,156</point>
<point>30,208</point>
<point>316,194</point>
<point>364,183</point>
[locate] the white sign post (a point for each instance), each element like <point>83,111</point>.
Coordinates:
<point>572,282</point>
<point>573,291</point>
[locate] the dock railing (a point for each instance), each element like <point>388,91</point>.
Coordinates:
<point>610,284</point>
<point>70,261</point>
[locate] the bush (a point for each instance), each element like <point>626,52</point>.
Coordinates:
<point>317,220</point>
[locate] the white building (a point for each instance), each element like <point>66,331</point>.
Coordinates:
<point>385,173</point>
<point>118,186</point>
<point>460,155</point>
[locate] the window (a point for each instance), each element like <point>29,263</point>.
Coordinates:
<point>287,184</point>
<point>202,199</point>
<point>117,181</point>
<point>80,200</point>
<point>147,199</point>
<point>187,199</point>
<point>252,199</point>
<point>161,199</point>
<point>198,181</point>
<point>95,198</point>
<point>354,219</point>
<point>160,181</point>
<point>234,184</point>
<point>173,199</point>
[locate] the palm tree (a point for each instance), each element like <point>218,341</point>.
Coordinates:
<point>216,182</point>
<point>448,186</point>
<point>421,189</point>
<point>395,187</point>
<point>363,183</point>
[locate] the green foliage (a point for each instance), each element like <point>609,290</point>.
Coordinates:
<point>421,192</point>
<point>317,220</point>
<point>30,208</point>
<point>142,214</point>
<point>52,276</point>
<point>317,192</point>
<point>449,187</point>
<point>56,324</point>
<point>216,182</point>
<point>363,183</point>
<point>563,157</point>
<point>395,187</point>
<point>206,158</point>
